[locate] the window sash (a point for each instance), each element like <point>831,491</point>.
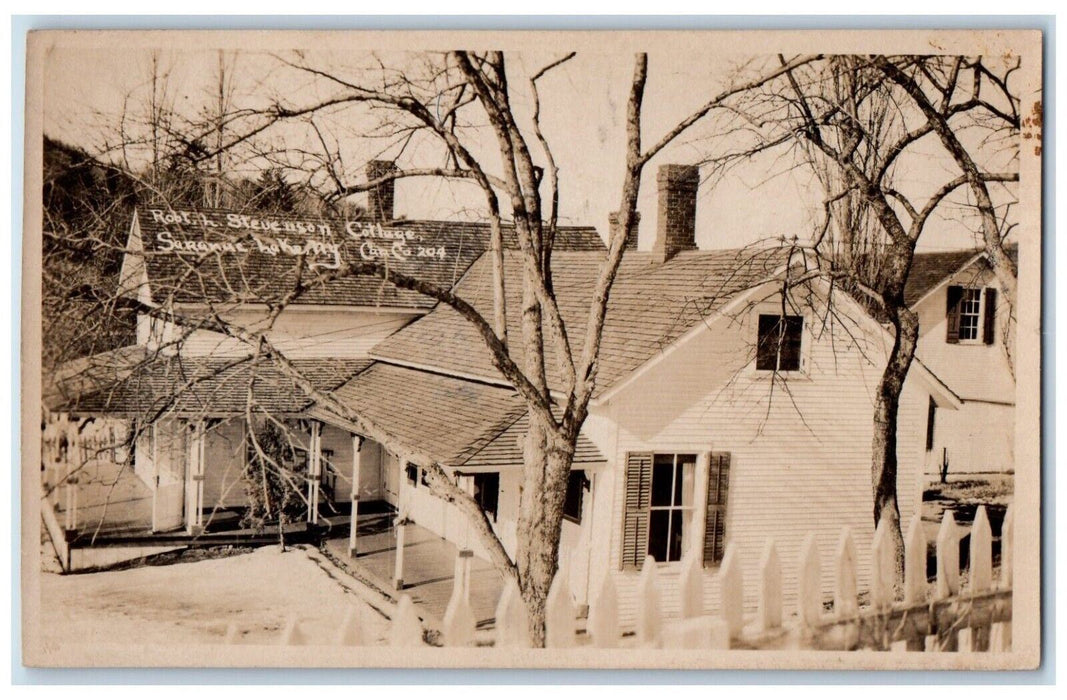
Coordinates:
<point>970,314</point>
<point>677,528</point>
<point>778,342</point>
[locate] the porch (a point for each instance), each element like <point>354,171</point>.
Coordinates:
<point>427,568</point>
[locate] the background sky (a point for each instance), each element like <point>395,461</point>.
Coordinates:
<point>583,106</point>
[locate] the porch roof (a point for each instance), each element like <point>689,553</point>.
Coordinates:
<point>457,422</point>
<point>145,384</point>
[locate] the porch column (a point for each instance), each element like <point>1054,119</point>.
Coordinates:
<point>357,446</point>
<point>398,565</point>
<point>155,478</point>
<point>314,472</point>
<point>197,474</point>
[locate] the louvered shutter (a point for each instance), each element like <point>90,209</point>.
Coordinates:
<point>952,312</point>
<point>635,519</point>
<point>715,515</point>
<point>989,330</point>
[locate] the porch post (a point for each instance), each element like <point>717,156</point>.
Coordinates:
<point>357,446</point>
<point>155,478</point>
<point>314,472</point>
<point>398,570</point>
<point>201,468</point>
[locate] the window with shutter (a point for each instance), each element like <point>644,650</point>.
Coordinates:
<point>989,329</point>
<point>715,514</point>
<point>952,312</point>
<point>635,519</point>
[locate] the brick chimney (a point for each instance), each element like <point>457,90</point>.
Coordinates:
<point>613,226</point>
<point>677,211</point>
<point>380,198</point>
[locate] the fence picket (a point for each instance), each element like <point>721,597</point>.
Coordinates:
<point>883,566</point>
<point>1007,537</point>
<point>293,635</point>
<point>731,591</point>
<point>846,598</point>
<point>512,622</point>
<point>350,633</point>
<point>407,628</point>
<point>649,610</point>
<point>965,640</point>
<point>981,564</point>
<point>809,584</point>
<point>948,557</point>
<point>457,627</point>
<point>1000,637</point>
<point>769,606</point>
<point>691,586</point>
<point>915,562</point>
<point>604,616</point>
<point>560,612</point>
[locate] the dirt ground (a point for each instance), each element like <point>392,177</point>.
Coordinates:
<point>254,594</point>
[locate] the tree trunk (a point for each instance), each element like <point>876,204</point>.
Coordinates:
<point>547,465</point>
<point>884,445</point>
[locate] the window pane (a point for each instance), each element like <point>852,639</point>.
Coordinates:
<point>687,468</point>
<point>767,342</point>
<point>675,553</point>
<point>789,360</point>
<point>662,480</point>
<point>659,534</point>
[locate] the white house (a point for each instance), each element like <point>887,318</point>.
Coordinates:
<point>723,412</point>
<point>715,419</point>
<point>961,323</point>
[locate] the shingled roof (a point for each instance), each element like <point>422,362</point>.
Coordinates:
<point>193,386</point>
<point>652,305</point>
<point>930,269</point>
<point>220,256</point>
<point>456,422</point>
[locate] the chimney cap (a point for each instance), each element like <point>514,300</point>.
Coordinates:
<point>678,175</point>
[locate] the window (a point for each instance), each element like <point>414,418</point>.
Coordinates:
<point>411,472</point>
<point>671,505</point>
<point>971,315</point>
<point>487,492</point>
<point>661,517</point>
<point>778,343</point>
<point>572,503</point>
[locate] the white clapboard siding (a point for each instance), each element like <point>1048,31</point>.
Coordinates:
<point>801,466</point>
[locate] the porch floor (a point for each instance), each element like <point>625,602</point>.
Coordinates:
<point>111,499</point>
<point>429,568</point>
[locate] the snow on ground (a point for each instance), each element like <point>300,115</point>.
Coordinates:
<point>196,602</point>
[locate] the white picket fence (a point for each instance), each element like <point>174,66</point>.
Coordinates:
<point>917,616</point>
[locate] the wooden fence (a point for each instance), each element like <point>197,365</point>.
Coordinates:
<point>919,615</point>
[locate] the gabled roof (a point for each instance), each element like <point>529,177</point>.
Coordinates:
<point>221,256</point>
<point>928,270</point>
<point>651,305</point>
<point>194,386</point>
<point>454,421</point>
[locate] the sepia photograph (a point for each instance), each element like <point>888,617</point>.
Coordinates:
<point>703,349</point>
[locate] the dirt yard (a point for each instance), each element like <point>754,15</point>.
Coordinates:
<point>197,602</point>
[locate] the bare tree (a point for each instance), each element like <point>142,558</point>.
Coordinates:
<point>857,121</point>
<point>461,105</point>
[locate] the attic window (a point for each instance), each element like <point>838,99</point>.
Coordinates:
<point>778,344</point>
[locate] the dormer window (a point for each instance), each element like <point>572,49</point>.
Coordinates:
<point>778,344</point>
<point>971,315</point>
